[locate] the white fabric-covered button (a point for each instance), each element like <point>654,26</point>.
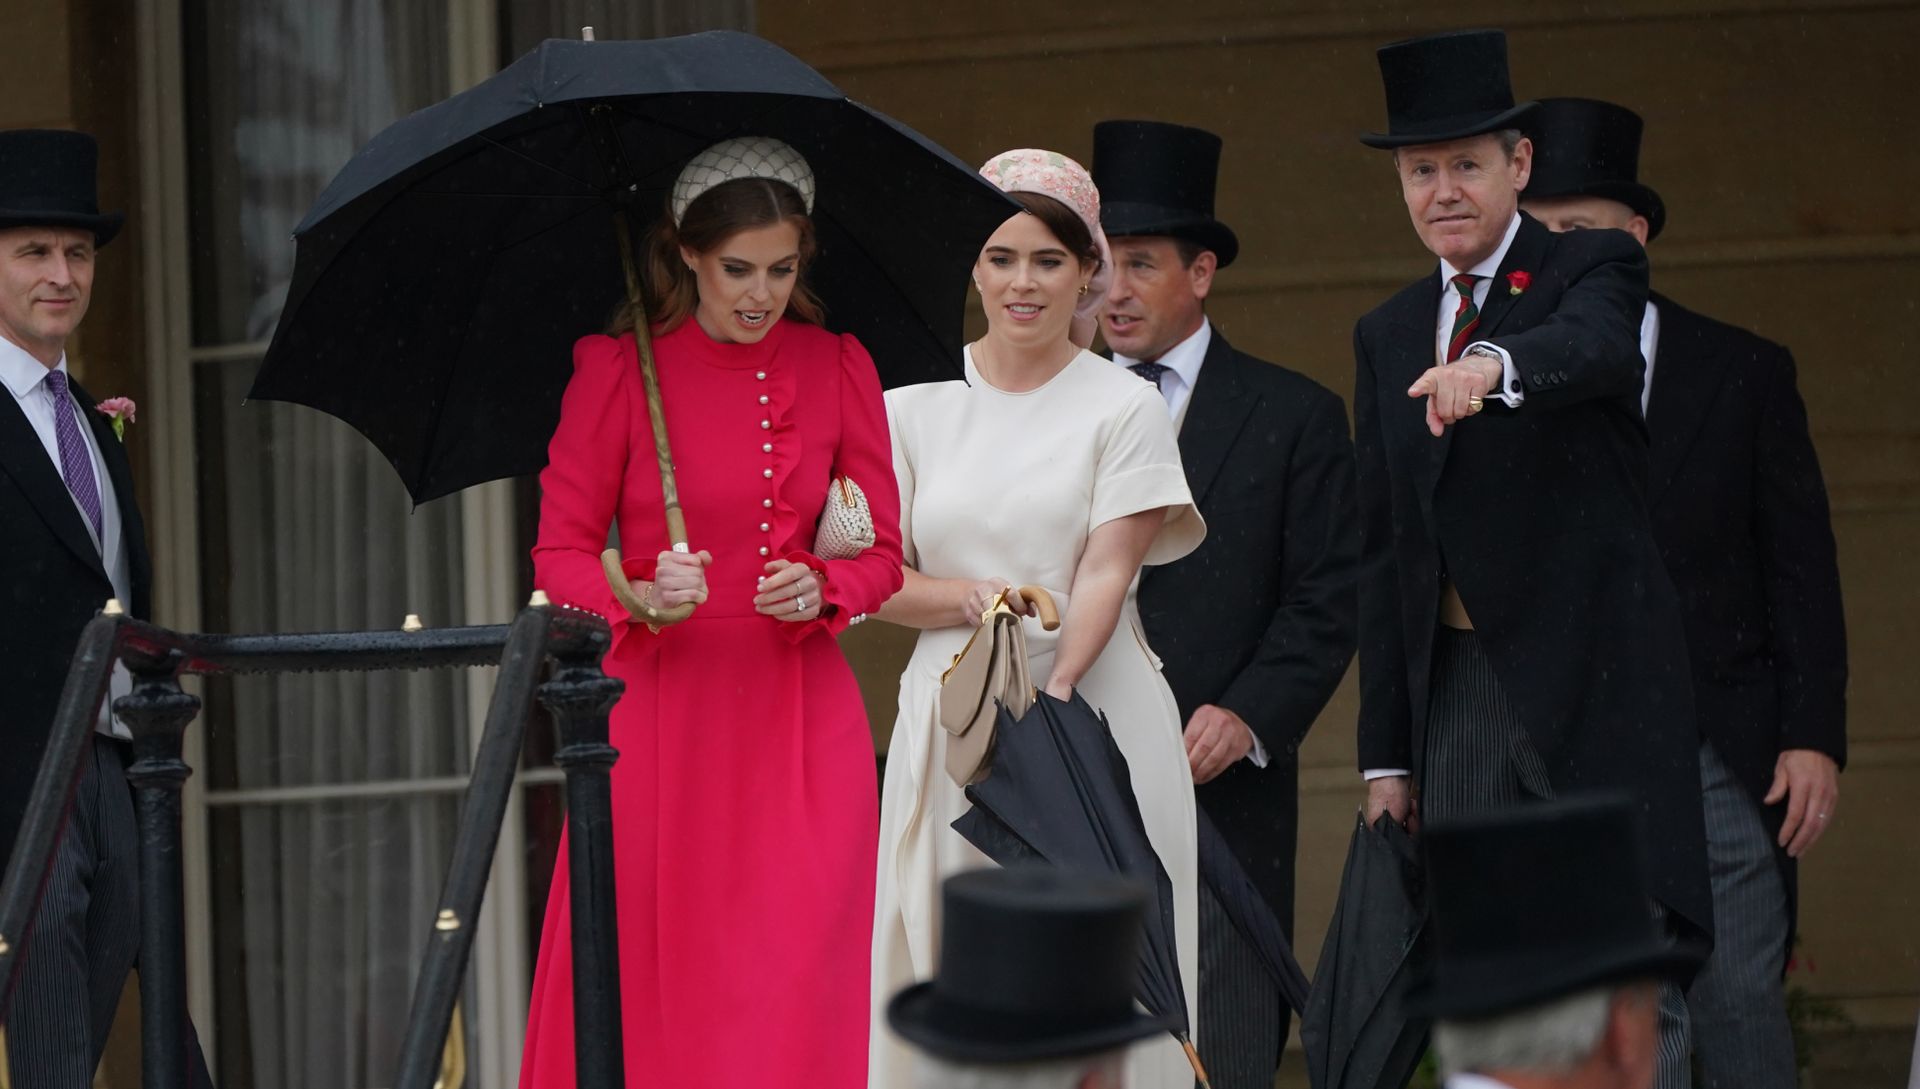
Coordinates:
<point>765,424</point>
<point>766,448</point>
<point>760,376</point>
<point>763,550</point>
<point>768,473</point>
<point>765,527</point>
<point>763,398</point>
<point>766,502</point>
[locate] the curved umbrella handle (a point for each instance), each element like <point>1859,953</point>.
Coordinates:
<point>653,617</point>
<point>1041,602</point>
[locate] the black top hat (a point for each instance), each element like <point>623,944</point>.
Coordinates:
<point>1583,147</point>
<point>1035,963</point>
<point>1446,87</point>
<point>47,179</point>
<point>1156,178</point>
<point>1537,903</point>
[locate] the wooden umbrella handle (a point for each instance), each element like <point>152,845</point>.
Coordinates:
<point>653,616</point>
<point>1042,603</point>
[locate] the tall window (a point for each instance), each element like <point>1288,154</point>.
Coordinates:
<point>333,797</point>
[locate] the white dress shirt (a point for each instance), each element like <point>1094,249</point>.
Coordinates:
<point>1183,362</point>
<point>1649,345</point>
<point>26,378</point>
<point>1510,389</point>
<point>1474,1081</point>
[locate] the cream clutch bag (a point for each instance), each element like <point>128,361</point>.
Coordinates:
<point>846,522</point>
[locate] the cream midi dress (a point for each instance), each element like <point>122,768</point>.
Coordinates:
<point>1010,485</point>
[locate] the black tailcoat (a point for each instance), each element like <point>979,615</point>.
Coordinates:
<point>1539,517</point>
<point>1261,618</point>
<point>51,584</point>
<point>1740,513</point>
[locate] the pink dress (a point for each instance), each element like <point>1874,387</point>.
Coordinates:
<point>744,802</point>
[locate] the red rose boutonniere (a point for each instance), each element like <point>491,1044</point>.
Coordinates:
<point>120,410</point>
<point>1518,282</point>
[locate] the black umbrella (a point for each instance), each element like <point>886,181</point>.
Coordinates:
<point>1240,900</point>
<point>1355,1028</point>
<point>443,276</point>
<point>1059,792</point>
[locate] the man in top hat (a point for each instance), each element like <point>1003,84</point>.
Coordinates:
<point>72,539</point>
<point>1519,637</point>
<point>1740,513</point>
<point>1035,984</point>
<point>1546,966</point>
<point>1258,625</point>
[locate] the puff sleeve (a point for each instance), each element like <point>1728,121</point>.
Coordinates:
<point>580,487</point>
<point>1139,469</point>
<point>857,586</point>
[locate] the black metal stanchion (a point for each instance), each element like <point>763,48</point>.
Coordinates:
<point>580,696</point>
<point>157,713</point>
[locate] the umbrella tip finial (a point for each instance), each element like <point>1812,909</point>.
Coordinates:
<point>412,624</point>
<point>586,33</point>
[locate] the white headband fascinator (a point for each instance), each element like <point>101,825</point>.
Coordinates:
<point>742,157</point>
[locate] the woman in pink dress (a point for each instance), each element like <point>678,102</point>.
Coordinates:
<point>744,802</point>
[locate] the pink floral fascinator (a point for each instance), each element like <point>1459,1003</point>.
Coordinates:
<point>1051,174</point>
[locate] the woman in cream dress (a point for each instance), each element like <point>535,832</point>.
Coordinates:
<point>1047,466</point>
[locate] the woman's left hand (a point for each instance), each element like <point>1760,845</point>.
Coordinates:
<point>788,591</point>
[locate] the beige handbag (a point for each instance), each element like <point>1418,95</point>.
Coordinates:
<point>846,522</point>
<point>989,672</point>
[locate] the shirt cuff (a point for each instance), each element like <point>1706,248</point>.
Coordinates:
<point>1381,773</point>
<point>1257,755</point>
<point>1510,391</point>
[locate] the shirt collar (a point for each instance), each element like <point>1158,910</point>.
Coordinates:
<point>1184,358</point>
<point>1491,265</point>
<point>20,372</point>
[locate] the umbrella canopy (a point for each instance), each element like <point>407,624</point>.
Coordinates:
<point>1240,900</point>
<point>1059,792</point>
<point>441,279</point>
<point>1355,1029</point>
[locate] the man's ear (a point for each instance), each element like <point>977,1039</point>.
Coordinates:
<point>1639,228</point>
<point>1205,264</point>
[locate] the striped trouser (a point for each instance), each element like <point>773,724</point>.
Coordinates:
<point>1243,1019</point>
<point>1740,1026</point>
<point>1479,758</point>
<point>85,936</point>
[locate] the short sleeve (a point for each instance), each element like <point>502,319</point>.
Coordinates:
<point>1139,469</point>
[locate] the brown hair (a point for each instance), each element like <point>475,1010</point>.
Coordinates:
<point>668,286</point>
<point>1066,226</point>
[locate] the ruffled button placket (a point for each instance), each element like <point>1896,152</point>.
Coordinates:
<point>766,448</point>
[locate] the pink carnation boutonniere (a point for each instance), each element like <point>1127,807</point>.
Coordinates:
<point>120,410</point>
<point>1518,282</point>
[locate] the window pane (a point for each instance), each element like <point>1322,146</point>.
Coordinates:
<point>280,93</point>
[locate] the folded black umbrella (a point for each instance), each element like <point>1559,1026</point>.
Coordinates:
<point>1355,1029</point>
<point>1240,900</point>
<point>1059,792</point>
<point>441,279</point>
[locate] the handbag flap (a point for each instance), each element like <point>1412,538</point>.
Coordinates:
<point>992,667</point>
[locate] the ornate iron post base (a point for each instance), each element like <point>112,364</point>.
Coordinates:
<point>157,712</point>
<point>580,696</point>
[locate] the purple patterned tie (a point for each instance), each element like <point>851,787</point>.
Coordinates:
<point>75,464</point>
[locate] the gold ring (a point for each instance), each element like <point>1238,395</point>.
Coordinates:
<point>1476,403</point>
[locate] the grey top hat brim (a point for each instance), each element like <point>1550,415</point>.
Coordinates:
<point>104,227</point>
<point>1452,128</point>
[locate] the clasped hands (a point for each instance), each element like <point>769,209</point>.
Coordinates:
<point>1457,390</point>
<point>788,591</point>
<point>978,597</point>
